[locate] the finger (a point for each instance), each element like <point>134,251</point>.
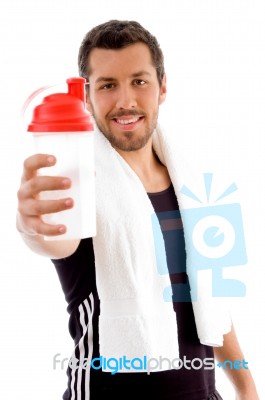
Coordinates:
<point>42,183</point>
<point>41,228</point>
<point>33,208</point>
<point>35,162</point>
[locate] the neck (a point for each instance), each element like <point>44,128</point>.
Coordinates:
<point>147,166</point>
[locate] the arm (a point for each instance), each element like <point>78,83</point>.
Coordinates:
<point>241,379</point>
<point>30,209</point>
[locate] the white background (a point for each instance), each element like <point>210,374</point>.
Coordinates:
<point>215,61</point>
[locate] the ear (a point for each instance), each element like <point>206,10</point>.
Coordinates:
<point>87,98</point>
<point>163,90</point>
<point>88,104</point>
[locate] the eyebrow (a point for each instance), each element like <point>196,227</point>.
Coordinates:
<point>111,79</point>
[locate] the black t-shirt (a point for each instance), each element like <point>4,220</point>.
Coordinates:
<point>77,277</point>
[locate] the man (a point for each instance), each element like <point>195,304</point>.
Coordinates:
<point>123,64</point>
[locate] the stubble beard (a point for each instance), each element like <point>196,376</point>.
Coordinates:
<point>127,142</point>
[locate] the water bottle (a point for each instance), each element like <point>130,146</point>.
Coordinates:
<point>62,126</point>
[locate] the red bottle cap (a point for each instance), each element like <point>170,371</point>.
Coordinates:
<point>63,112</point>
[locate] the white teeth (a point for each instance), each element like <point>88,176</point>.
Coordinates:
<point>128,121</point>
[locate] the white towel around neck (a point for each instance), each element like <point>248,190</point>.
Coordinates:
<point>135,321</point>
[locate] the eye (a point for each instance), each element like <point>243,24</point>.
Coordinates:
<point>139,82</point>
<point>107,86</point>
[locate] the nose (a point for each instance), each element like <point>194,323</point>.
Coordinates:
<point>126,98</point>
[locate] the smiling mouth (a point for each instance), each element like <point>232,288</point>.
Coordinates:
<point>127,121</point>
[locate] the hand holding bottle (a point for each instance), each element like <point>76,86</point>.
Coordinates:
<point>59,190</point>
<point>30,207</point>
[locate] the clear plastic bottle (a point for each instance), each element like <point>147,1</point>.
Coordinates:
<point>61,126</point>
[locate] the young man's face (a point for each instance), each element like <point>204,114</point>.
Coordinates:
<point>124,95</point>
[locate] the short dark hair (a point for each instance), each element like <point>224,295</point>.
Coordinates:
<point>116,34</point>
